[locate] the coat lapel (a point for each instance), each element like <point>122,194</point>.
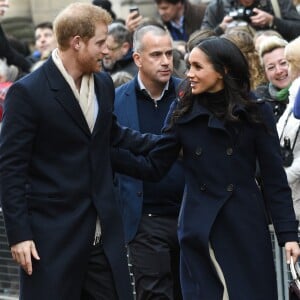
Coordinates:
<point>64,95</point>
<point>131,107</point>
<point>104,90</point>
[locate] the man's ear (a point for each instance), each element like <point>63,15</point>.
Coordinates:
<point>137,59</point>
<point>75,42</point>
<point>125,47</point>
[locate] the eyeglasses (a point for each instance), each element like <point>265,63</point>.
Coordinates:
<point>114,48</point>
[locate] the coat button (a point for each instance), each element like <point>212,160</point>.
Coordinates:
<point>230,187</point>
<point>198,151</point>
<point>229,151</point>
<point>139,194</point>
<point>203,187</point>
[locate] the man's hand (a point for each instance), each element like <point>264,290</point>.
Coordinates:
<point>133,20</point>
<point>22,252</point>
<point>225,22</point>
<point>261,18</point>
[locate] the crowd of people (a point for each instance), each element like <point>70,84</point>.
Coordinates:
<point>167,143</point>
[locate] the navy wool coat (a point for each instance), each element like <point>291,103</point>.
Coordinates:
<point>223,204</point>
<point>56,177</point>
<point>131,198</point>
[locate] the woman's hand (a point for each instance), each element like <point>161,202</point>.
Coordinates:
<point>292,249</point>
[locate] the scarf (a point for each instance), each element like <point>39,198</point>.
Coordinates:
<point>278,94</point>
<point>86,95</point>
<point>86,99</point>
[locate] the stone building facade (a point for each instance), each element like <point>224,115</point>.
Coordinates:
<point>45,10</point>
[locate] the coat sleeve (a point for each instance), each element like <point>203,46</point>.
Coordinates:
<point>297,105</point>
<point>152,166</point>
<point>130,139</point>
<point>17,138</point>
<point>155,164</point>
<point>12,56</point>
<point>213,16</point>
<point>293,172</point>
<point>288,28</point>
<point>276,189</point>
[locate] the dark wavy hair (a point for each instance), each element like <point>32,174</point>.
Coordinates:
<point>228,61</point>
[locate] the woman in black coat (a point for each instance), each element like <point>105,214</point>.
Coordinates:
<point>226,250</point>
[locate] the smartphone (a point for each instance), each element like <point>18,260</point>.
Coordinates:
<point>134,8</point>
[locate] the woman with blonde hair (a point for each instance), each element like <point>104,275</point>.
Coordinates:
<point>288,126</point>
<point>275,65</point>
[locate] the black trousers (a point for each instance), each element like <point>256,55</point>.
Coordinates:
<point>154,255</point>
<point>98,283</point>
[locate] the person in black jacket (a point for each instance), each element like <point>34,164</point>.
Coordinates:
<point>260,14</point>
<point>119,45</point>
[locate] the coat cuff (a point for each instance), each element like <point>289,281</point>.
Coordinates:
<point>287,232</point>
<point>17,235</point>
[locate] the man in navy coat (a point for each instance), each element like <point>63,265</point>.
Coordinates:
<point>62,220</point>
<point>150,210</point>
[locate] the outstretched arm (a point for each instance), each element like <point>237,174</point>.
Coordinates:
<point>152,166</point>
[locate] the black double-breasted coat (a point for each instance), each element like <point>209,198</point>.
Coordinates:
<point>223,205</point>
<point>56,177</point>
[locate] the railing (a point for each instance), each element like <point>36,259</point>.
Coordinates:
<point>9,271</point>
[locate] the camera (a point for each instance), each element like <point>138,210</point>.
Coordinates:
<point>241,13</point>
<point>287,153</point>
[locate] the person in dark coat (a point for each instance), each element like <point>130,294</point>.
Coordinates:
<point>150,210</point>
<point>260,14</point>
<point>225,242</point>
<point>181,17</point>
<point>62,220</point>
<point>119,56</point>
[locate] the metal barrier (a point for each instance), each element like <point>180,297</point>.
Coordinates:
<point>282,271</point>
<point>9,277</point>
<point>9,271</point>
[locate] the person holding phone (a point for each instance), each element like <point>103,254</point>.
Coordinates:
<point>181,17</point>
